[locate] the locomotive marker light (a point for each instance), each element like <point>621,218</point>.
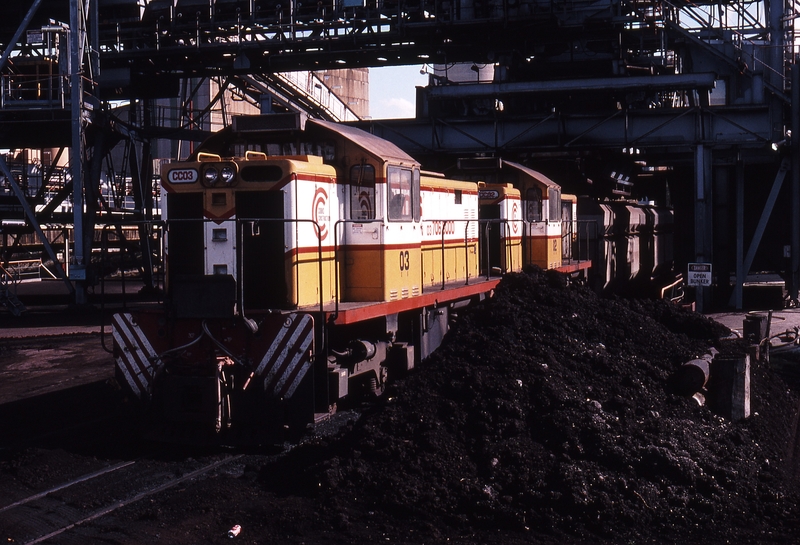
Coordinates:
<point>699,274</point>
<point>228,174</point>
<point>211,176</point>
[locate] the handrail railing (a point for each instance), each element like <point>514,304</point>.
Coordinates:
<point>579,239</point>
<point>508,242</point>
<point>158,227</point>
<point>336,258</point>
<point>240,254</point>
<point>163,227</point>
<point>24,269</point>
<point>449,240</point>
<point>23,90</point>
<point>452,243</point>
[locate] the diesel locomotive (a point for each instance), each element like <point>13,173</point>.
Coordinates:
<point>305,266</point>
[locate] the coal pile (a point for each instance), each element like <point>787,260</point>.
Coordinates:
<point>547,415</point>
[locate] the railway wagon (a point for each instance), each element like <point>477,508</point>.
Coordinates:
<point>630,243</point>
<point>302,267</point>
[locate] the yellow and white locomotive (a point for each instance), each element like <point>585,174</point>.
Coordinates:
<point>302,266</point>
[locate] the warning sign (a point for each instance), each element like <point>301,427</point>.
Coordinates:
<point>699,274</point>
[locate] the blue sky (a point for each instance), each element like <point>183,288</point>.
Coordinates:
<point>392,93</point>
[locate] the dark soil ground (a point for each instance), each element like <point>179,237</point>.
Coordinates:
<point>547,416</point>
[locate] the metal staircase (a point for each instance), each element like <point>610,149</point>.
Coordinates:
<point>8,297</point>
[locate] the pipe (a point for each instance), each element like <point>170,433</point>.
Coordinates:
<point>692,376</point>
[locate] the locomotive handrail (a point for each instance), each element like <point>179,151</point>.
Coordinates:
<point>296,221</point>
<point>443,246</point>
<point>507,243</point>
<point>466,251</point>
<point>336,246</point>
<point>444,249</point>
<point>486,228</point>
<point>104,255</point>
<point>166,223</point>
<point>589,225</point>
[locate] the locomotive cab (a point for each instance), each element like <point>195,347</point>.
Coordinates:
<point>380,230</point>
<point>502,232</point>
<point>542,214</point>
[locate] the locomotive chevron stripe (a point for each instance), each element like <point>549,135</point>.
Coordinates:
<point>294,373</point>
<point>285,363</point>
<point>135,355</point>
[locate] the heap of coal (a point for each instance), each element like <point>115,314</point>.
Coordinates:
<point>548,412</point>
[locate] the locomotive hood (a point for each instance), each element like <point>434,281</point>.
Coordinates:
<point>369,142</point>
<point>535,174</point>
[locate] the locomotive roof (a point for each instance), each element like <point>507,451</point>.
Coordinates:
<point>535,174</point>
<point>369,142</point>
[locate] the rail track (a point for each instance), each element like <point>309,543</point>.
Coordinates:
<point>61,510</point>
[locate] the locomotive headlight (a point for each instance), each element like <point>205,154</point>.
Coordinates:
<point>228,174</point>
<point>211,176</point>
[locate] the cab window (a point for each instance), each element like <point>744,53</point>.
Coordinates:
<point>554,198</point>
<point>362,192</point>
<point>401,194</point>
<point>533,204</point>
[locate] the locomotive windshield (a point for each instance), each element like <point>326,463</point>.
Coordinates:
<point>533,204</point>
<point>403,194</point>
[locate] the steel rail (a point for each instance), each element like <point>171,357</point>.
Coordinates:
<point>118,505</point>
<point>79,480</point>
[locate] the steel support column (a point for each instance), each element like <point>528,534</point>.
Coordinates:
<point>76,34</point>
<point>775,71</point>
<point>703,226</point>
<point>740,272</point>
<point>794,276</point>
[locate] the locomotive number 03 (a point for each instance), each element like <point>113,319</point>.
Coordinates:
<point>404,260</point>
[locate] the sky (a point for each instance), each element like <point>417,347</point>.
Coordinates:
<point>392,91</point>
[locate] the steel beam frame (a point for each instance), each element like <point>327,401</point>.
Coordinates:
<point>679,129</point>
<point>29,213</point>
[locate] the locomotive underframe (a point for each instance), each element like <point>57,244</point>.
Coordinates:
<point>266,378</point>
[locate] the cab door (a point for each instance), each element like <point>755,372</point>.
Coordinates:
<point>362,233</point>
<point>403,234</point>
